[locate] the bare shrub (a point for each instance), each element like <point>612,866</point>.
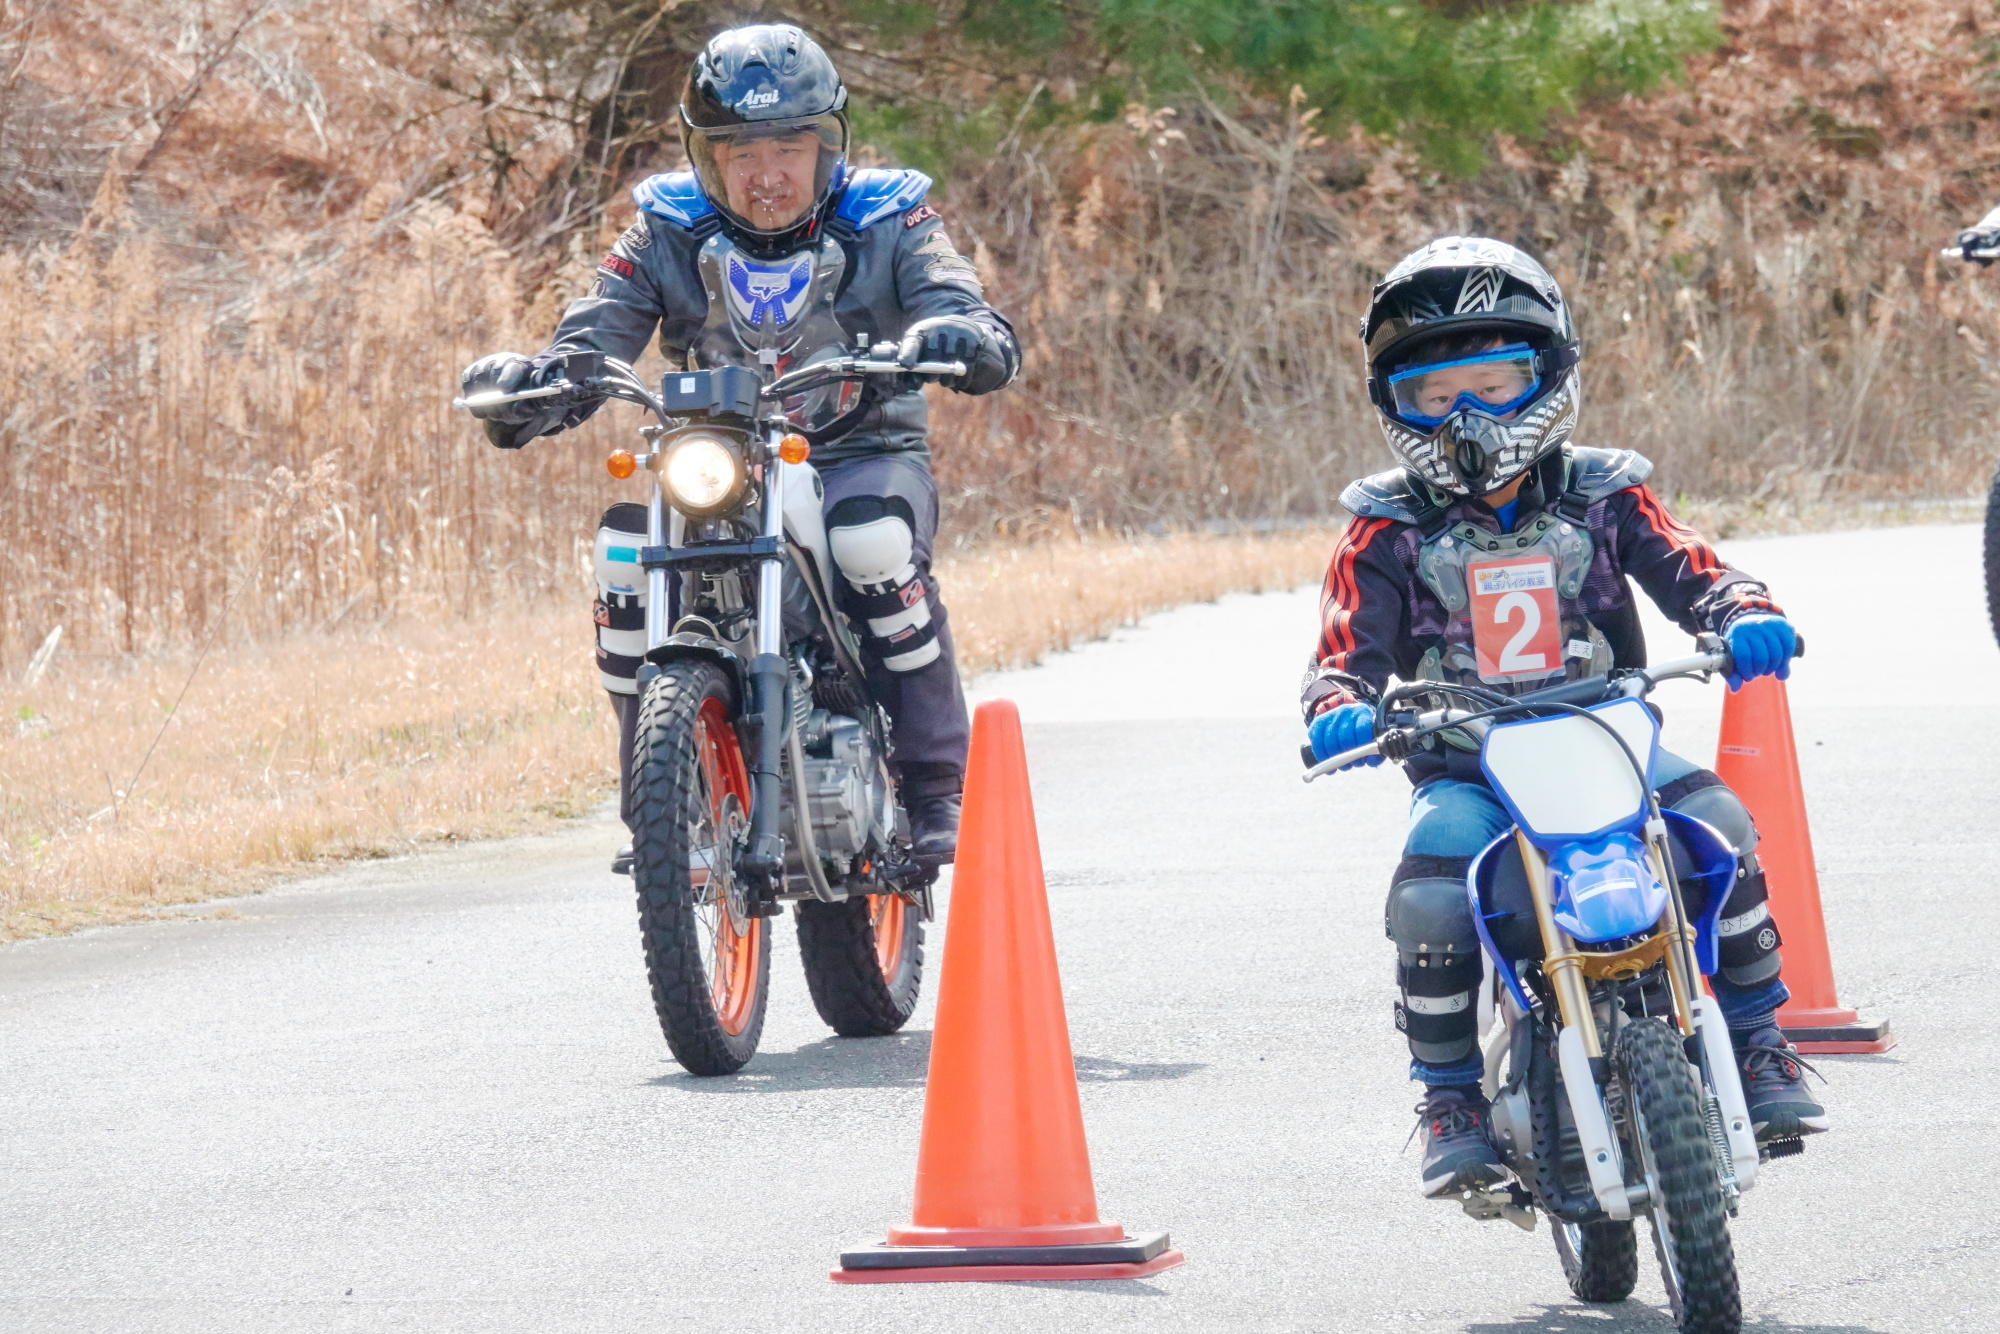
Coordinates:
<point>327,227</point>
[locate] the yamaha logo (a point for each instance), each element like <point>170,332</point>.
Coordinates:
<point>750,101</point>
<point>1767,939</point>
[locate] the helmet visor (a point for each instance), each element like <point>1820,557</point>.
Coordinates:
<point>769,176</point>
<point>1495,382</point>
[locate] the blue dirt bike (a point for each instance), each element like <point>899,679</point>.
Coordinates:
<point>1615,1093</point>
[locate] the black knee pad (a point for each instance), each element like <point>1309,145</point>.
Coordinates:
<point>1747,936</point>
<point>1427,910</point>
<point>1708,799</point>
<point>1438,1011</point>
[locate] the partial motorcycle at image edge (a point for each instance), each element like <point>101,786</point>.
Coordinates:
<point>760,769</point>
<point>1977,245</point>
<point>1614,1091</point>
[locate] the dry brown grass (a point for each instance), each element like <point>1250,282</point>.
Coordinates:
<point>357,742</point>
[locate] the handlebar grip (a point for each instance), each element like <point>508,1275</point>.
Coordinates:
<point>492,398</point>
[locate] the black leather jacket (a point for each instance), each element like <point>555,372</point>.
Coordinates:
<point>900,267</point>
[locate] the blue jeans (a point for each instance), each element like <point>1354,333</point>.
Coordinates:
<point>1451,818</point>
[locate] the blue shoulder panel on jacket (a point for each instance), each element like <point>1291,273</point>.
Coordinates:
<point>1597,473</point>
<point>675,196</point>
<point>1386,495</point>
<point>875,193</point>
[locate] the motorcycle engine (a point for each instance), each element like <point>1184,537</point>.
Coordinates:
<point>847,787</point>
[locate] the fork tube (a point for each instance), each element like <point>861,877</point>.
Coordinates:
<point>769,714</point>
<point>656,580</point>
<point>771,574</point>
<point>1561,963</point>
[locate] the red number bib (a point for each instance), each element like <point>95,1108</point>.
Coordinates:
<point>1515,620</point>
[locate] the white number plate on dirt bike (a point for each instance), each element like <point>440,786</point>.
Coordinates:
<point>1516,624</point>
<point>1567,778</point>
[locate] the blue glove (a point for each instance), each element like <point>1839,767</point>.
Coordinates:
<point>1762,645</point>
<point>1343,728</point>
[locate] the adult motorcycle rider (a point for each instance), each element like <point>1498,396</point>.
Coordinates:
<point>1497,555</point>
<point>773,251</point>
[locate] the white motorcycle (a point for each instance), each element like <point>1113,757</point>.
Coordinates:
<point>760,768</point>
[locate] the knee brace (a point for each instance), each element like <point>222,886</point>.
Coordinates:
<point>873,544</point>
<point>1438,967</point>
<point>1747,938</point>
<point>620,609</point>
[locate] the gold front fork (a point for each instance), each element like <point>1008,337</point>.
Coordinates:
<point>1561,963</point>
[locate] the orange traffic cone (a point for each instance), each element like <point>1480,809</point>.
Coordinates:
<point>1003,1174</point>
<point>1759,759</point>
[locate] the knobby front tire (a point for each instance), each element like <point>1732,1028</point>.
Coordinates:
<point>1670,1144</point>
<point>864,960</point>
<point>708,961</point>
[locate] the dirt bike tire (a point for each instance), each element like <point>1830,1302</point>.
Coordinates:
<point>710,977</point>
<point>1666,1135</point>
<point>1600,1260</point>
<point>864,961</point>
<point>1993,555</point>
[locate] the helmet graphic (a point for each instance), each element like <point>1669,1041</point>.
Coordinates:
<point>1471,363</point>
<point>765,82</point>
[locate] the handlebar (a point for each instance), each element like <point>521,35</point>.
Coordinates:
<point>623,382</point>
<point>1633,683</point>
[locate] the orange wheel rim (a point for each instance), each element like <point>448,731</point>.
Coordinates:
<point>885,917</point>
<point>734,973</point>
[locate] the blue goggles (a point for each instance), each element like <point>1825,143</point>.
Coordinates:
<point>1495,382</point>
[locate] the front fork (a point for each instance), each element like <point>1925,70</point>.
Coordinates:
<point>1580,1045</point>
<point>769,708</point>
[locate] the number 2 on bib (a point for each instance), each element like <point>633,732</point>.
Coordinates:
<point>1515,619</point>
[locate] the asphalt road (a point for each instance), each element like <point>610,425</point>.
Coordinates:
<point>428,1094</point>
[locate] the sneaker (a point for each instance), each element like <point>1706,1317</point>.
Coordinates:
<point>934,829</point>
<point>622,863</point>
<point>1774,1087</point>
<point>1458,1143</point>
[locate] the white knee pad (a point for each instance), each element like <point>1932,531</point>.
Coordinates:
<point>620,611</point>
<point>878,559</point>
<point>873,553</point>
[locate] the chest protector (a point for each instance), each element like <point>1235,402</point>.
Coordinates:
<point>776,312</point>
<point>1514,620</point>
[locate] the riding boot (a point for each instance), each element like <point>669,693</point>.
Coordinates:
<point>932,794</point>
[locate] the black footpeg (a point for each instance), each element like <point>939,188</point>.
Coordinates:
<point>1780,1148</point>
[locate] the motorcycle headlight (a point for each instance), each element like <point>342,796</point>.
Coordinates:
<point>704,475</point>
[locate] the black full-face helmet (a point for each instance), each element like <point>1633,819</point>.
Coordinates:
<point>756,82</point>
<point>1471,363</point>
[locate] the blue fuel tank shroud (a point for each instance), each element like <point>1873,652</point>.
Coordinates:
<point>1703,860</point>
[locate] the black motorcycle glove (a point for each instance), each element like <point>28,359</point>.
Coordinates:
<point>508,373</point>
<point>1978,238</point>
<point>956,338</point>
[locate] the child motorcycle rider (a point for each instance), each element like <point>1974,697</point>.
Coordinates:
<point>1472,365</point>
<point>772,245</point>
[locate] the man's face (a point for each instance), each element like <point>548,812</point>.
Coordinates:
<point>769,180</point>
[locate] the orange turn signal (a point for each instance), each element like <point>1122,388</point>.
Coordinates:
<point>794,449</point>
<point>621,464</point>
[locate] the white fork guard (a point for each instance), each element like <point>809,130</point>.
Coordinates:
<point>1742,1136</point>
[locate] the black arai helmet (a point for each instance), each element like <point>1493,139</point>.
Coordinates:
<point>759,81</point>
